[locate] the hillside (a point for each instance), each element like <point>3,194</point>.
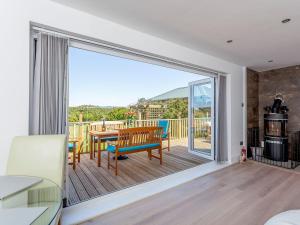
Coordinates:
<point>97,113</point>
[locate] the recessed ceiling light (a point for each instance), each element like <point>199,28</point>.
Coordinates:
<point>285,20</point>
<point>229,41</point>
<point>269,61</point>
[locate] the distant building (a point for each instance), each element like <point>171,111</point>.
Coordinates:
<point>154,111</point>
<point>148,111</point>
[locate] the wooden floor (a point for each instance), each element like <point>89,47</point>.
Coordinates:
<point>89,181</point>
<point>247,194</point>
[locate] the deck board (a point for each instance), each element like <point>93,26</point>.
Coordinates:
<point>78,186</point>
<point>89,181</point>
<point>73,194</point>
<point>95,182</point>
<point>86,180</point>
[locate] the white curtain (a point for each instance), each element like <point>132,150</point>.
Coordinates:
<point>48,86</point>
<point>221,120</point>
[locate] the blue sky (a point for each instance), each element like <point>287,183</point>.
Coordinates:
<point>105,80</point>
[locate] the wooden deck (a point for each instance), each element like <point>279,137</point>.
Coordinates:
<point>89,181</point>
<point>247,193</point>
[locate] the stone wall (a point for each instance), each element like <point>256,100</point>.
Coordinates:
<point>266,85</point>
<point>252,98</point>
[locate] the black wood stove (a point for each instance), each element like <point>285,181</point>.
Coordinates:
<point>275,131</point>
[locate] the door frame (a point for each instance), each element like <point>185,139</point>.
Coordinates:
<point>191,85</point>
<point>85,42</point>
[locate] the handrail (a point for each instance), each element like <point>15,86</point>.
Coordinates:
<point>178,128</point>
<point>90,122</point>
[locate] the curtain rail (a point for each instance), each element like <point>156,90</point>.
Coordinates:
<point>123,50</point>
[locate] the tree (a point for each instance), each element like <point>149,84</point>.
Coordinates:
<point>142,101</point>
<point>117,114</point>
<point>98,113</point>
<point>177,108</point>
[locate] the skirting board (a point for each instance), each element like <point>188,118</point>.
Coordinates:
<point>95,207</point>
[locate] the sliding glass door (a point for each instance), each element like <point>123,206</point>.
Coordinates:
<point>201,117</point>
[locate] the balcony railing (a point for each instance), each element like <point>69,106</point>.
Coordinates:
<point>178,128</point>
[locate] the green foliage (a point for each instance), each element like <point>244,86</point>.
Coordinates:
<point>119,114</point>
<point>97,113</point>
<point>202,113</point>
<point>177,108</point>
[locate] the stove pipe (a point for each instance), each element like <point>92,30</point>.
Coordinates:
<point>277,104</point>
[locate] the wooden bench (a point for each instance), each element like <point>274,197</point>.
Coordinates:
<point>132,140</point>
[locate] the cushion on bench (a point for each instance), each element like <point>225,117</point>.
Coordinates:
<point>112,148</point>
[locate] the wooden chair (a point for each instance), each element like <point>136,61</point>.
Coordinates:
<point>165,124</point>
<point>75,147</point>
<point>134,140</point>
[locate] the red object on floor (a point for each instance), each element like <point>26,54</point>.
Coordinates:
<point>243,154</point>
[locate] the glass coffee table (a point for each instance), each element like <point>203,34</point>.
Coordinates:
<point>44,195</point>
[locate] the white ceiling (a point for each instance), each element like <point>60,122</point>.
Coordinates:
<point>254,26</point>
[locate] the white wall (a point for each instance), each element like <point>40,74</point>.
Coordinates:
<point>15,16</point>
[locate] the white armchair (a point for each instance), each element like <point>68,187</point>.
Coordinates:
<point>40,156</point>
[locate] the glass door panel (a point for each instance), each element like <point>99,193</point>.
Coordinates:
<point>201,117</point>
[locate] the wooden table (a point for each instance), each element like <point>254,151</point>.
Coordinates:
<point>74,141</point>
<point>100,135</point>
